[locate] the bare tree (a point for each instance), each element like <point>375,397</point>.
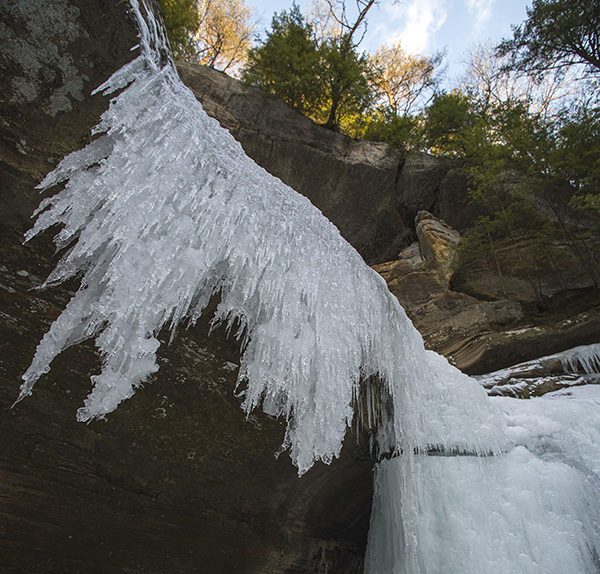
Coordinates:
<point>224,33</point>
<point>404,81</point>
<point>490,83</point>
<point>340,19</point>
<point>318,15</point>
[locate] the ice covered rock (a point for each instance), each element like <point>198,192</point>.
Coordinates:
<point>164,211</point>
<point>577,366</point>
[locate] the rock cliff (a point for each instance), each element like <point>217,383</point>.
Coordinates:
<point>464,310</point>
<point>471,321</point>
<point>367,189</point>
<point>177,480</point>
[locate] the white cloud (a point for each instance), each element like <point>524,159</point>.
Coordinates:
<point>413,22</point>
<point>481,10</point>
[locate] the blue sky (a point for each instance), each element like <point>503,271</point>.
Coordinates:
<point>427,26</point>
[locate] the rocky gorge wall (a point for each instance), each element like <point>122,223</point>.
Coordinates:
<point>397,212</point>
<point>177,480</point>
<point>177,477</point>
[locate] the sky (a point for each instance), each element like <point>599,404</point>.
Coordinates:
<point>427,26</point>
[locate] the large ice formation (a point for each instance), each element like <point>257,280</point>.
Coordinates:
<point>163,211</point>
<point>531,510</point>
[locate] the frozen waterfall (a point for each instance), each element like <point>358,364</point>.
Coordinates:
<point>531,510</point>
<point>163,211</point>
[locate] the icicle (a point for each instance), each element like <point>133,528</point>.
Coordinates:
<point>586,357</point>
<point>533,509</point>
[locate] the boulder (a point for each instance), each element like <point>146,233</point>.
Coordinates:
<point>438,243</point>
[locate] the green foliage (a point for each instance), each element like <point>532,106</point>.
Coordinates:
<point>532,177</point>
<point>326,80</point>
<point>345,77</point>
<point>405,133</point>
<point>538,178</point>
<point>449,122</point>
<point>287,62</point>
<point>576,157</point>
<point>181,21</point>
<point>556,34</point>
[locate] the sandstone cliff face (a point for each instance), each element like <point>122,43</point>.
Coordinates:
<point>177,480</point>
<point>478,328</point>
<point>352,182</point>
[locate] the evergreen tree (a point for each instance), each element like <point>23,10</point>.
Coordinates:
<point>345,79</point>
<point>287,63</point>
<point>449,122</point>
<point>181,20</point>
<point>326,79</point>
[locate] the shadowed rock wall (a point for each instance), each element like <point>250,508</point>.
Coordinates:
<point>176,480</point>
<point>54,53</point>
